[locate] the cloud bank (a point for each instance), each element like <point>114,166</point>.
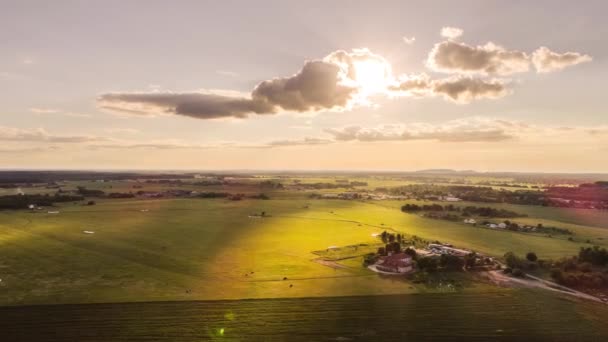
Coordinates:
<point>464,130</point>
<point>491,59</point>
<point>41,135</point>
<point>459,89</point>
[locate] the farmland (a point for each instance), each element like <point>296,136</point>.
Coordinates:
<point>496,315</point>
<point>191,262</point>
<point>182,249</point>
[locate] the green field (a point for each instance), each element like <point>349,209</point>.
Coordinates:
<point>528,315</point>
<point>185,249</point>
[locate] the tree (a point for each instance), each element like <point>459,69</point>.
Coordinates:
<point>518,273</point>
<point>469,259</point>
<point>512,260</point>
<point>396,247</point>
<point>531,256</point>
<point>384,236</point>
<point>410,251</point>
<point>428,264</point>
<point>451,262</point>
<point>382,251</point>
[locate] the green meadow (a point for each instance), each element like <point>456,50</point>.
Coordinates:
<point>203,249</point>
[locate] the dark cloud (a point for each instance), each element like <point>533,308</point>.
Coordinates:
<point>317,86</point>
<point>460,89</point>
<point>466,89</point>
<point>197,105</point>
<point>545,60</point>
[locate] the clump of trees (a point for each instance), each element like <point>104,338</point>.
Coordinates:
<point>121,195</point>
<point>89,192</point>
<point>24,201</point>
<point>588,269</point>
<point>261,196</point>
<point>516,265</point>
<point>596,255</point>
<point>464,211</point>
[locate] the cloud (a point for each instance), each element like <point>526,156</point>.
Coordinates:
<point>545,60</point>
<point>44,110</point>
<point>464,89</point>
<point>196,105</point>
<point>451,32</point>
<point>151,145</point>
<point>489,59</point>
<point>41,135</point>
<point>473,129</point>
<point>344,80</point>
<point>57,111</point>
<point>307,141</point>
<point>409,40</point>
<point>319,85</point>
<point>123,130</point>
<point>459,89</point>
<point>28,149</point>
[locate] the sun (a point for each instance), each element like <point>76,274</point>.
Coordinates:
<point>371,76</point>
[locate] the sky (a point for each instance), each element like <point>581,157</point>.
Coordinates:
<point>314,85</point>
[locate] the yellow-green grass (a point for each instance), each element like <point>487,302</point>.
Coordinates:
<point>178,249</point>
<point>211,249</point>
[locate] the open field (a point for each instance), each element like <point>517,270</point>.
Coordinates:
<point>503,314</point>
<point>184,249</point>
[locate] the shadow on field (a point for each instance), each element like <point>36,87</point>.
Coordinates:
<point>505,315</point>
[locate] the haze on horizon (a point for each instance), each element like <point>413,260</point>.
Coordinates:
<point>482,85</point>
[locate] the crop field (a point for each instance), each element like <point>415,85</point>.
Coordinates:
<point>503,314</point>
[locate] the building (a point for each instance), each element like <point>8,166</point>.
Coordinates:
<point>442,249</point>
<point>396,263</point>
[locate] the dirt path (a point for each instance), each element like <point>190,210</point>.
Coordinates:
<point>330,263</point>
<point>501,279</point>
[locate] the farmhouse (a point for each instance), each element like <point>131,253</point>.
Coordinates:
<point>396,263</point>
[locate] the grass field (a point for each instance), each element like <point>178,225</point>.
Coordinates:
<point>184,249</point>
<point>503,314</point>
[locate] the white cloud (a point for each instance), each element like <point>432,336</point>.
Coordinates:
<point>451,32</point>
<point>41,135</point>
<point>475,129</point>
<point>58,112</point>
<point>545,60</point>
<point>44,110</point>
<point>409,40</point>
